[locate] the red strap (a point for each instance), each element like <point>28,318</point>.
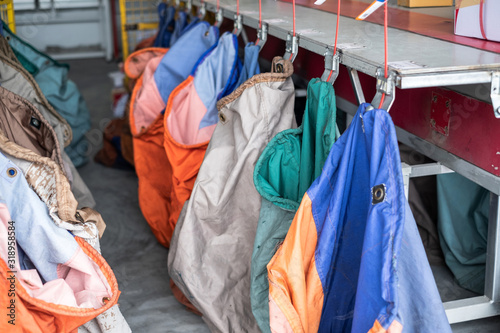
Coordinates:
<point>481,15</point>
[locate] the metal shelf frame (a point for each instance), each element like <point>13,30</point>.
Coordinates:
<point>437,63</point>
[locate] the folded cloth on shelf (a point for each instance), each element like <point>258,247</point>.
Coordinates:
<point>158,75</point>
<point>62,93</point>
<point>352,260</point>
<point>289,164</point>
<point>210,252</point>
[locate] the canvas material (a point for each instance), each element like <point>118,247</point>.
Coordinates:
<point>62,94</point>
<point>170,71</point>
<point>17,113</point>
<point>17,80</point>
<point>387,288</point>
<point>289,164</point>
<point>62,261</point>
<point>463,209</point>
<point>180,27</point>
<point>166,25</point>
<point>52,187</point>
<point>18,119</point>
<point>179,62</point>
<point>250,63</point>
<point>192,106</point>
<point>151,163</point>
<point>32,312</point>
<point>185,110</point>
<point>212,243</point>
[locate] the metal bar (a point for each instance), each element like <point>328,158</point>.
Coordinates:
<point>466,169</point>
<point>428,169</point>
<point>443,79</point>
<point>435,70</point>
<point>356,85</point>
<point>470,308</point>
<point>492,281</point>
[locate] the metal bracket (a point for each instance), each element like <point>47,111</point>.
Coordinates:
<point>219,17</point>
<point>331,66</point>
<point>262,34</point>
<point>495,93</point>
<point>292,47</point>
<point>356,85</point>
<point>238,24</point>
<point>202,10</point>
<point>386,90</point>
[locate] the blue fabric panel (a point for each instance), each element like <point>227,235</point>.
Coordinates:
<point>250,63</point>
<point>365,275</point>
<point>216,75</point>
<point>420,307</point>
<point>42,241</point>
<point>179,61</point>
<point>166,25</point>
<point>180,26</point>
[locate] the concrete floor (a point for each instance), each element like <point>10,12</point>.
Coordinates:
<point>138,261</point>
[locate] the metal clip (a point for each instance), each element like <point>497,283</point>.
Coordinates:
<point>495,93</point>
<point>331,66</point>
<point>219,17</point>
<point>238,24</point>
<point>262,35</point>
<point>386,89</point>
<point>202,11</point>
<point>292,47</point>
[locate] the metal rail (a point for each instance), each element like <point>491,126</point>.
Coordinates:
<point>417,61</point>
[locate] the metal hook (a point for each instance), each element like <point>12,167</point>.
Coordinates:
<point>219,17</point>
<point>238,24</point>
<point>202,10</point>
<point>292,47</point>
<point>386,90</point>
<point>331,66</point>
<point>262,35</point>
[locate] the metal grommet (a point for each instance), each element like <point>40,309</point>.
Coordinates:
<point>222,118</point>
<point>8,37</point>
<point>35,122</point>
<point>79,217</point>
<point>279,68</point>
<point>106,300</point>
<point>378,194</point>
<point>11,172</point>
<point>207,33</point>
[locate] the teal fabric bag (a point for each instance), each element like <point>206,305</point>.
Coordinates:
<point>287,167</point>
<point>62,93</point>
<point>463,208</point>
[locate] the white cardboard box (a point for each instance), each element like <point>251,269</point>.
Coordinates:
<point>468,19</point>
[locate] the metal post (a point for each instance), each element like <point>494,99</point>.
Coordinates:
<point>492,282</point>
